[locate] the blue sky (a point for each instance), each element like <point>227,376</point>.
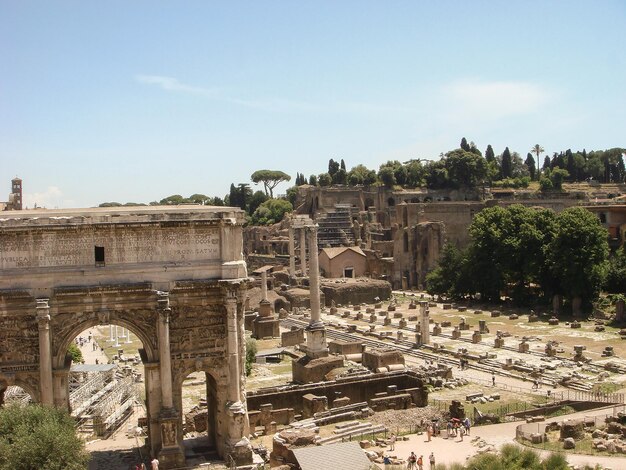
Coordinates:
<point>135,101</point>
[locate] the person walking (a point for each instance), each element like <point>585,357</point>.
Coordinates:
<point>392,442</point>
<point>467,423</point>
<point>420,462</point>
<point>412,461</point>
<point>429,432</point>
<point>493,379</point>
<point>154,465</point>
<point>431,458</point>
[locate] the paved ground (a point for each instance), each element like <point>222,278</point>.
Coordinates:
<point>452,450</point>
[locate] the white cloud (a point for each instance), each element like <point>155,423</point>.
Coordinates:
<point>172,84</point>
<point>51,198</point>
<point>493,100</point>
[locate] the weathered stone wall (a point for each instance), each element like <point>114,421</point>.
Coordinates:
<point>355,291</point>
<point>357,389</point>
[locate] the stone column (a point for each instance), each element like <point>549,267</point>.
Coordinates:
<point>424,322</point>
<point>292,254</point>
<point>238,446</point>
<point>303,251</point>
<point>264,285</point>
<point>165,360</point>
<point>315,332</point>
<point>171,454</point>
<point>45,352</point>
<point>314,276</point>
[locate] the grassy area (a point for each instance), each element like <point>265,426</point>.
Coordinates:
<point>584,446</point>
<point>607,387</point>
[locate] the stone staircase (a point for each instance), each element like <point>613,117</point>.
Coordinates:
<point>335,227</point>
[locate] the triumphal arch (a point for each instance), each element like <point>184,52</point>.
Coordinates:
<point>173,275</point>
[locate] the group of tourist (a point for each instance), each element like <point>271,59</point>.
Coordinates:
<point>458,428</point>
<point>417,463</point>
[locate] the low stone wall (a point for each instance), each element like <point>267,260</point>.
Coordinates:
<point>355,291</point>
<point>357,389</point>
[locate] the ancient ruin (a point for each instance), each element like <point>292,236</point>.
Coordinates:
<point>174,276</point>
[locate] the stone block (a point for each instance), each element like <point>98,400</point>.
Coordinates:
<point>495,313</point>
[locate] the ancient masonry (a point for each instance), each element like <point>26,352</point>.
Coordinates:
<point>174,276</point>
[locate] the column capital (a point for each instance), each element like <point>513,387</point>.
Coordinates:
<point>43,312</point>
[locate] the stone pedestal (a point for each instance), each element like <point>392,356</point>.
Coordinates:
<point>482,327</point>
<point>402,323</point>
<point>550,350</point>
<point>171,454</point>
<point>436,329</point>
<point>523,347</point>
<point>498,342</point>
<point>476,337</point>
<point>315,346</point>
<point>456,333</point>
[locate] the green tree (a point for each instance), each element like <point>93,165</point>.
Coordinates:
<point>577,255</point>
<point>490,156</point>
<point>251,350</point>
<point>538,150</point>
<point>74,351</point>
<point>530,163</point>
<point>172,200</point>
<point>270,179</point>
<point>416,174</point>
<point>360,174</point>
<point>387,177</point>
<point>256,200</point>
<point>465,168</point>
<point>271,212</point>
<point>333,167</point>
<point>450,276</point>
<point>557,176</point>
<point>506,164</point>
<point>39,437</point>
<point>313,180</point>
<point>324,179</point>
<point>199,199</point>
<point>616,274</point>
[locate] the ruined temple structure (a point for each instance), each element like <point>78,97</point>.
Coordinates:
<point>174,276</point>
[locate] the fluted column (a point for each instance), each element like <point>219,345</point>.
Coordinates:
<point>303,251</point>
<point>292,254</point>
<point>234,383</point>
<point>45,352</point>
<point>163,329</point>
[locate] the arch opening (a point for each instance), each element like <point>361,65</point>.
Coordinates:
<point>198,405</point>
<point>104,386</point>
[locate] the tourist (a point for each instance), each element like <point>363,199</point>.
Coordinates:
<point>420,463</point>
<point>154,465</point>
<point>392,442</point>
<point>535,384</point>
<point>467,424</point>
<point>432,461</point>
<point>412,461</point>
<point>429,431</point>
<point>493,379</point>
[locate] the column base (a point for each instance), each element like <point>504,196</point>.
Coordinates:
<point>171,454</point>
<point>240,452</point>
<point>315,345</point>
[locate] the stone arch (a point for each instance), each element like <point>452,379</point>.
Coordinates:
<point>29,386</point>
<point>61,344</point>
<point>216,404</point>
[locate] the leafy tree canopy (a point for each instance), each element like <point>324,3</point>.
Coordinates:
<point>270,179</point>
<point>37,436</point>
<point>271,212</point>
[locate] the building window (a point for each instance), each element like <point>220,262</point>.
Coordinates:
<point>406,241</point>
<point>99,255</point>
<point>602,216</point>
<point>348,272</point>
